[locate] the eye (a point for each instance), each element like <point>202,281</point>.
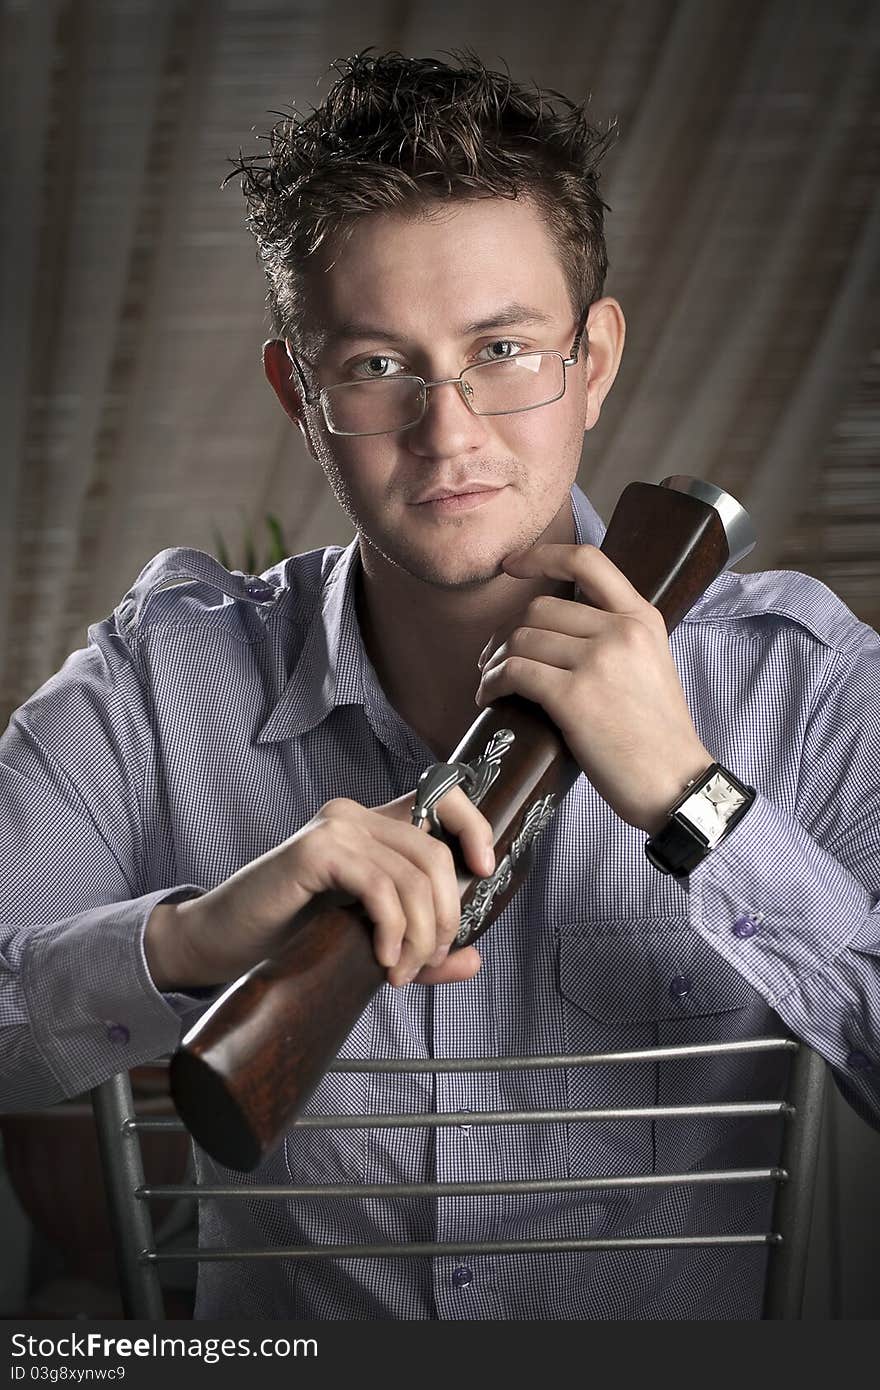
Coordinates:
<point>501,348</point>
<point>376,367</point>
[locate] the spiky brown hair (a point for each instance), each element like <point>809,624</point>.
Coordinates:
<point>398,133</point>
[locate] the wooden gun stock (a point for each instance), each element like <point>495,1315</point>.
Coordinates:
<point>247,1068</point>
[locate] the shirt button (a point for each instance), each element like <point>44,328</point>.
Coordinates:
<point>859,1061</point>
<point>462,1276</point>
<point>117,1033</point>
<point>744,927</point>
<point>465,1128</point>
<point>259,589</point>
<point>679,987</point>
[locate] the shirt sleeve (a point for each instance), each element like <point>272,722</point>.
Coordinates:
<point>77,1002</point>
<point>792,900</point>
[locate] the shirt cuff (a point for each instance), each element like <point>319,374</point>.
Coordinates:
<point>114,1018</point>
<point>182,1001</point>
<point>775,904</point>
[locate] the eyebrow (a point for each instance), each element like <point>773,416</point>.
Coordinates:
<point>508,314</point>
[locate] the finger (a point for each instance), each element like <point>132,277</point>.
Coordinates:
<point>432,862</point>
<point>356,842</point>
<point>570,617</point>
<point>458,965</point>
<point>419,895</point>
<point>372,877</point>
<point>399,810</point>
<point>517,675</point>
<point>460,817</point>
<point>597,577</point>
<point>423,916</point>
<point>567,616</point>
<point>550,648</point>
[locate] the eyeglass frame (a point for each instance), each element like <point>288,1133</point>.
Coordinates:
<point>316,398</point>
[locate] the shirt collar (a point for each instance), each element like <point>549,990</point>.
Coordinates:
<point>330,669</point>
<point>589,528</point>
<point>333,668</point>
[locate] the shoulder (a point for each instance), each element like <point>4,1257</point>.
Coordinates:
<point>783,605</point>
<point>185,587</point>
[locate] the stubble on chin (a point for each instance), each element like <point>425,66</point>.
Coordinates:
<point>450,568</point>
<point>427,570</point>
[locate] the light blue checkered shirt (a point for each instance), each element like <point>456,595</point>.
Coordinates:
<point>213,713</point>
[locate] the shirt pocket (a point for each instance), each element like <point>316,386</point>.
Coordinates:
<point>643,983</point>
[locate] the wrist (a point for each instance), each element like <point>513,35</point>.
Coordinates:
<point>664,798</point>
<point>169,948</point>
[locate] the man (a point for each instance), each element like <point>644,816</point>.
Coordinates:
<point>228,747</point>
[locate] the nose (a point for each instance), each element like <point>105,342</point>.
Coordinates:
<point>448,427</point>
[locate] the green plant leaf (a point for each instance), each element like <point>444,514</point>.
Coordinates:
<point>250,554</point>
<point>278,548</point>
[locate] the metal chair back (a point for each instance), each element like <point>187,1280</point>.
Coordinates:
<point>129,1195</point>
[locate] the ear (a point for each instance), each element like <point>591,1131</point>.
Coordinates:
<point>605,333</point>
<point>284,381</point>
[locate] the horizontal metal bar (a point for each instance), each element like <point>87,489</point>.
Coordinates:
<point>500,1117</point>
<point>578,1059</point>
<point>482,1247</point>
<point>642,1054</point>
<point>460,1189</point>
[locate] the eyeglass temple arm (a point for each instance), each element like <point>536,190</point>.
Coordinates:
<point>308,396</point>
<point>576,345</point>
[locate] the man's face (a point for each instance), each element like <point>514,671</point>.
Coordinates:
<point>431,295</point>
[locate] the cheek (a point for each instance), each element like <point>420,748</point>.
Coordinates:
<point>355,463</point>
<point>547,441</point>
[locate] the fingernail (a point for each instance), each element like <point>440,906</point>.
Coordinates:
<point>489,860</point>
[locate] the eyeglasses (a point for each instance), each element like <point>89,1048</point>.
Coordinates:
<point>387,404</point>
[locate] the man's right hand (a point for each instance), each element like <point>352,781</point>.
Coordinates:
<point>403,877</point>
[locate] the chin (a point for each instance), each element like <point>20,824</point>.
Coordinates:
<point>456,575</point>
<point>445,571</point>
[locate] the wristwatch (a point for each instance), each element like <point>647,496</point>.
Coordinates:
<point>711,806</point>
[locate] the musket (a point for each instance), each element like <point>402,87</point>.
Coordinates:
<point>247,1068</point>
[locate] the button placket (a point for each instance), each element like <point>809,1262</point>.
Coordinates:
<point>463,1152</point>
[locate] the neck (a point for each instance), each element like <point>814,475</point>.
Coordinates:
<point>424,641</point>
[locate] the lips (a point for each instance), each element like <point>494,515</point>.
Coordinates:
<point>440,494</point>
<point>446,502</point>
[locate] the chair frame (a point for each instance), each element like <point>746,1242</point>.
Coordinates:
<point>129,1195</point>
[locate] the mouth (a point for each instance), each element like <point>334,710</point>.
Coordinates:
<point>444,500</point>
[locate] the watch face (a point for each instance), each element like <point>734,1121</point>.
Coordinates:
<point>711,808</point>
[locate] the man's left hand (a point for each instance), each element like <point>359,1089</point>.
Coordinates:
<point>602,670</point>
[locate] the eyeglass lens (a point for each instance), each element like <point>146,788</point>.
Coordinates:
<point>490,388</point>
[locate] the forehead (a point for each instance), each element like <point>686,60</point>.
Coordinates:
<point>435,271</point>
